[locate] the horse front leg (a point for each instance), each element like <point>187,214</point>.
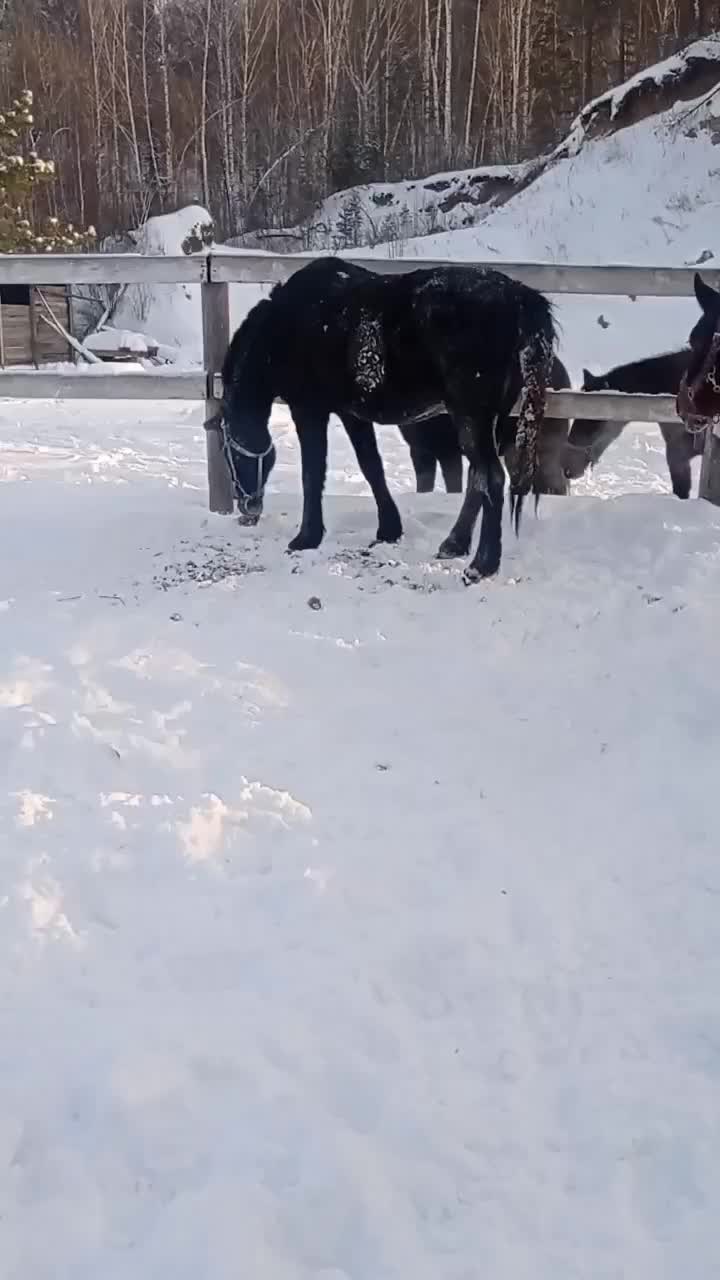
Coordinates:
<point>364,442</point>
<point>312,432</point>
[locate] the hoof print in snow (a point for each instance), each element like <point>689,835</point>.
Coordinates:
<point>315,603</point>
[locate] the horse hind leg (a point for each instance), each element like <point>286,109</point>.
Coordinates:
<point>421,455</point>
<point>552,443</point>
<point>486,561</point>
<point>442,437</point>
<point>364,442</point>
<point>459,538</point>
<point>451,461</point>
<point>484,493</point>
<point>425,467</point>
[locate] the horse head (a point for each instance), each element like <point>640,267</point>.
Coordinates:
<point>588,437</point>
<point>248,394</point>
<point>698,401</point>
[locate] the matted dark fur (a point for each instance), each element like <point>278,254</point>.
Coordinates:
<point>392,349</point>
<point>435,443</point>
<point>698,401</point>
<point>654,376</point>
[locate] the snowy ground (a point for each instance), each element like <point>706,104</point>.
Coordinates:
<point>370,942</point>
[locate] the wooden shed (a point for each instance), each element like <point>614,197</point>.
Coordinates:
<point>31,322</point>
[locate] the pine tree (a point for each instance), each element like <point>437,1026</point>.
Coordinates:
<point>22,171</point>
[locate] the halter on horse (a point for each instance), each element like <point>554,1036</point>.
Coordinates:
<point>698,400</point>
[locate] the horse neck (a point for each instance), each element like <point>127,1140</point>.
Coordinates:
<point>252,400</point>
<point>660,375</point>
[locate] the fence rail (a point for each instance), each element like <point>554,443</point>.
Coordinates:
<point>22,384</point>
<point>239,267</point>
<point>215,271</point>
<point>617,281</point>
<point>30,385</point>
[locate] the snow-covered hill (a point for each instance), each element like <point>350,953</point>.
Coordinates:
<point>637,180</point>
<point>392,213</point>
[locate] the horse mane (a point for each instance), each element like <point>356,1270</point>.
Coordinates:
<point>252,342</point>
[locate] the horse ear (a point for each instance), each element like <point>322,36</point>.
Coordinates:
<point>589,380</point>
<point>707,297</point>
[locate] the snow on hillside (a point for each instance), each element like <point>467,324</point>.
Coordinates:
<point>646,195</point>
<point>393,212</point>
<point>671,74</point>
<point>389,212</point>
<point>361,942</point>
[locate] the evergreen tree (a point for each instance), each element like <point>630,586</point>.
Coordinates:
<point>21,171</point>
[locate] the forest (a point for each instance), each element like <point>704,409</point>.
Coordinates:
<point>257,109</point>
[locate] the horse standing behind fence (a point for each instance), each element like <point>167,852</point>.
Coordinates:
<point>392,349</point>
<point>435,443</point>
<point>654,375</point>
<point>698,401</point>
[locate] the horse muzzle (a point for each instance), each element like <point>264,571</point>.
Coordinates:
<point>576,462</point>
<point>250,509</point>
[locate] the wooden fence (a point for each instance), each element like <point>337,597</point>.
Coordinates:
<point>215,272</point>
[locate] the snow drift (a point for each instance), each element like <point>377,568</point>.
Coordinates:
<point>365,942</point>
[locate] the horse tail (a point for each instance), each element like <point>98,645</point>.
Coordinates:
<point>537,340</point>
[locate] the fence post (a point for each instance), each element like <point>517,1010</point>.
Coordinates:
<point>709,487</point>
<point>216,337</point>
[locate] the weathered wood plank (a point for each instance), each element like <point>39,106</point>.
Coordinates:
<point>256,268</point>
<point>614,406</point>
<point>46,385</point>
<point>159,385</point>
<point>101,268</point>
<point>709,487</point>
<point>620,280</point>
<point>216,336</point>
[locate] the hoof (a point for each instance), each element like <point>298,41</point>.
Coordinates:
<point>472,574</point>
<point>246,521</point>
<point>452,548</point>
<point>484,565</point>
<point>389,528</point>
<point>306,542</point>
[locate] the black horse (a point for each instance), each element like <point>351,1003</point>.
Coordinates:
<point>653,376</point>
<point>436,442</point>
<point>698,401</point>
<point>389,349</point>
